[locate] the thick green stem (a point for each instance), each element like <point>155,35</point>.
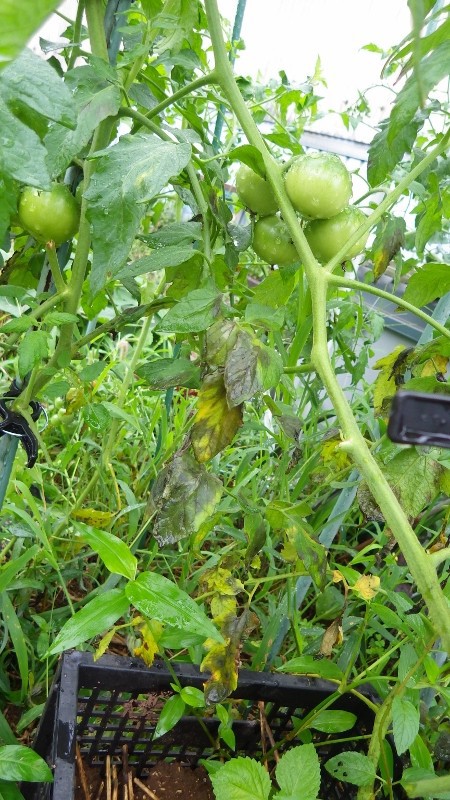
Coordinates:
<point>428,787</point>
<point>419,563</point>
<point>348,283</point>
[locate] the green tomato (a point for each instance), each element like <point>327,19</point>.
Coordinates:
<point>49,216</point>
<point>272,242</point>
<point>255,192</point>
<point>327,236</point>
<point>319,185</point>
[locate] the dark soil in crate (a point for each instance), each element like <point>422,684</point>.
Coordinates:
<point>166,781</point>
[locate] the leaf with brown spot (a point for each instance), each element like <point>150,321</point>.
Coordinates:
<point>215,422</point>
<point>389,238</point>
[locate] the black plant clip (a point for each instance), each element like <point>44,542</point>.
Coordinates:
<point>14,424</point>
<point>418,418</point>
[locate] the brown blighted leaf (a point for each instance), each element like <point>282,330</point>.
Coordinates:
<point>415,479</point>
<point>367,586</point>
<point>392,369</point>
<point>215,422</point>
<point>389,238</point>
<point>250,367</point>
<point>183,496</point>
<point>333,635</point>
<point>220,338</point>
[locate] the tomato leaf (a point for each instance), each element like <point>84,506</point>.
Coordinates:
<point>428,283</point>
<point>183,496</point>
<point>114,552</point>
<point>251,367</point>
<point>19,763</point>
<point>276,289</point>
<point>96,416</point>
<point>389,238</point>
<point>127,176</point>
<point>32,83</point>
<point>405,723</point>
<point>352,768</point>
<point>193,313</point>
<point>31,14</point>
<point>414,477</point>
<point>215,423</point>
<point>64,145</point>
<point>174,233</point>
<point>22,155</point>
<point>95,617</point>
<point>241,779</point>
<point>298,774</point>
<point>250,156</point>
<point>162,258</point>
<point>167,372</point>
<point>158,598</point>
<point>32,350</point>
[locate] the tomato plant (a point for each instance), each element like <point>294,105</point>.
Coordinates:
<point>255,192</point>
<point>49,216</point>
<point>318,185</point>
<point>272,241</point>
<point>197,426</point>
<point>326,237</point>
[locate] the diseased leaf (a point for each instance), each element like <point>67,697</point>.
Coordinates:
<point>33,349</point>
<point>414,477</point>
<point>159,598</point>
<point>91,516</point>
<point>95,617</point>
<point>151,633</point>
<point>352,768</point>
<point>298,774</point>
<point>215,423</point>
<point>96,416</point>
<point>389,238</point>
<point>405,723</point>
<point>287,518</point>
<point>22,155</point>
<point>332,636</point>
<point>392,369</point>
<point>241,779</point>
<point>127,176</point>
<point>251,367</point>
<point>30,82</point>
<point>220,338</point>
<point>193,313</point>
<point>183,496</point>
<point>167,372</point>
<point>31,14</point>
<point>63,145</point>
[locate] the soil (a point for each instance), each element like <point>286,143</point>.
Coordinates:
<point>166,781</point>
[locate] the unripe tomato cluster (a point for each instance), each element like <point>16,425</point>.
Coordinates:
<point>319,187</point>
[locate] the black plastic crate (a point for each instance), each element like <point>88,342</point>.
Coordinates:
<point>109,703</point>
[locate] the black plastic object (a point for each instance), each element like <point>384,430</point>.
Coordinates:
<point>418,418</point>
<point>110,703</point>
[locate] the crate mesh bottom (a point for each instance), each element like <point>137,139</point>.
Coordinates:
<point>109,720</point>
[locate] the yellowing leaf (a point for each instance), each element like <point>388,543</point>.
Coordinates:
<point>434,365</point>
<point>151,633</point>
<point>215,422</point>
<point>75,399</point>
<point>338,576</point>
<point>98,519</point>
<point>333,455</point>
<point>104,643</point>
<point>392,368</point>
<point>390,237</point>
<point>367,586</point>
